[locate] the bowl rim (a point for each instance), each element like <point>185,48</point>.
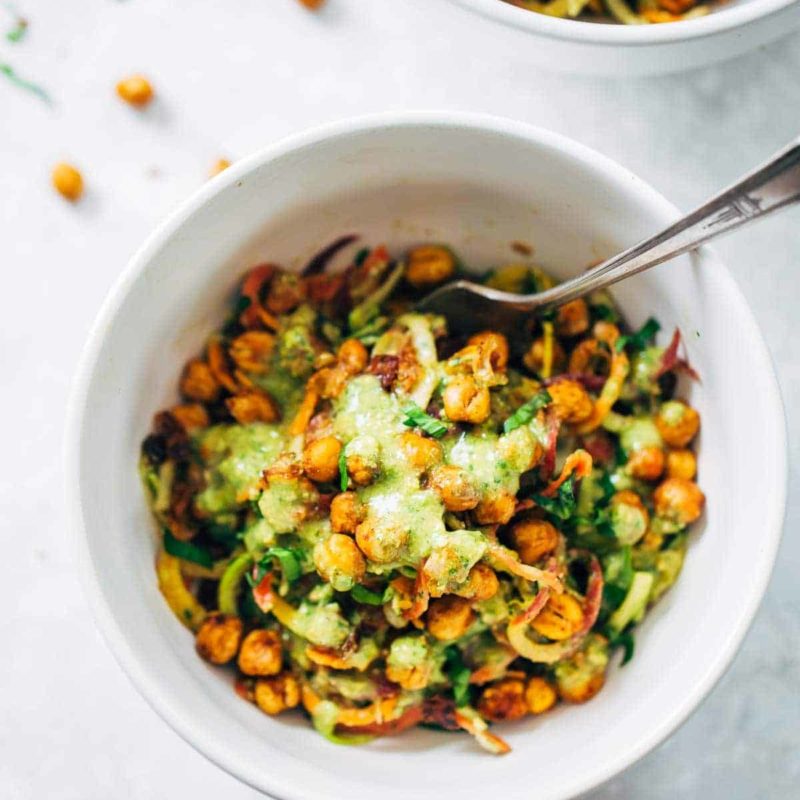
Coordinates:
<point>146,678</point>
<point>726,19</point>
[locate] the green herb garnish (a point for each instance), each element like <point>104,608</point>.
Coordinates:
<point>343,470</point>
<point>17,33</point>
<point>361,594</point>
<point>636,342</point>
<point>288,557</point>
<point>187,551</point>
<point>563,504</point>
<point>361,256</point>
<point>527,411</point>
<point>626,641</point>
<point>28,86</point>
<point>458,673</point>
<point>417,418</point>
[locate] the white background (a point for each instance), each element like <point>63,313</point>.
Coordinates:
<point>232,77</point>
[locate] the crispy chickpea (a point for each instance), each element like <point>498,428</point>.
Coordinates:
<point>218,639</point>
<point>346,512</point>
<point>312,5</point>
<point>198,382</point>
<point>455,487</point>
<point>339,561</point>
<point>220,165</point>
<point>261,653</point>
<point>572,318</point>
<point>681,464</point>
<point>590,355</point>
<point>496,509</point>
<point>136,90</point>
<point>429,265</point>
<point>493,343</point>
<point>353,355</point>
<point>678,500</point>
<point>191,416</point>
<point>540,695</point>
<point>570,400</point>
<point>449,617</point>
<point>646,463</point>
<point>560,618</point>
<point>534,358</point>
<point>503,701</point>
<point>276,694</point>
<point>67,181</point>
<point>465,401</point>
<point>251,351</point>
<point>533,539</point>
<point>629,517</point>
<point>381,545</point>
<point>253,406</point>
<point>481,583</point>
<point>677,423</point>
<point>321,459</point>
<point>421,453</point>
<point>363,459</point>
<point>582,676</point>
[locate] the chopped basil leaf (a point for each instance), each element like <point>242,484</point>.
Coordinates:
<point>417,418</point>
<point>563,504</point>
<point>458,673</point>
<point>638,341</point>
<point>361,594</point>
<point>187,551</point>
<point>343,470</point>
<point>17,33</point>
<point>361,256</point>
<point>289,558</point>
<point>527,411</point>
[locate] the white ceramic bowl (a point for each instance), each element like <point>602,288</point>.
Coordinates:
<point>732,28</point>
<point>478,183</point>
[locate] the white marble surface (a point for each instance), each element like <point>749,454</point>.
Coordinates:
<point>232,77</point>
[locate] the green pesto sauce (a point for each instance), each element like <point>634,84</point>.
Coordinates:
<point>234,457</point>
<point>322,625</point>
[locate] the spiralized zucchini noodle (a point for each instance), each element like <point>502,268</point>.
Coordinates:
<point>635,12</point>
<point>381,523</point>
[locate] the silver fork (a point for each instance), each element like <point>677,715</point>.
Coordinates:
<point>471,307</point>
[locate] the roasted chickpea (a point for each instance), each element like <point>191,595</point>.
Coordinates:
<point>276,694</point>
<point>449,617</point>
<point>363,459</point>
<point>560,618</point>
<point>454,486</point>
<point>533,539</point>
<point>339,561</point>
<point>346,512</point>
<point>261,653</point>
<point>67,181</point>
<point>191,416</point>
<point>465,401</point>
<point>496,509</point>
<point>677,423</point>
<point>253,406</point>
<point>321,459</point>
<point>646,463</point>
<point>570,400</point>
<point>312,5</point>
<point>421,453</point>
<point>629,517</point>
<point>540,695</point>
<point>572,318</point>
<point>135,90</point>
<point>493,343</point>
<point>481,583</point>
<point>218,639</point>
<point>681,464</point>
<point>381,545</point>
<point>353,356</point>
<point>590,355</point>
<point>252,350</point>
<point>582,676</point>
<point>534,358</point>
<point>198,382</point>
<point>429,265</point>
<point>679,501</point>
<point>503,701</point>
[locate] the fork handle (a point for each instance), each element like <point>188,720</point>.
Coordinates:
<point>772,186</point>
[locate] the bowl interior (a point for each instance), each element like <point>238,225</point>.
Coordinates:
<point>478,186</point>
